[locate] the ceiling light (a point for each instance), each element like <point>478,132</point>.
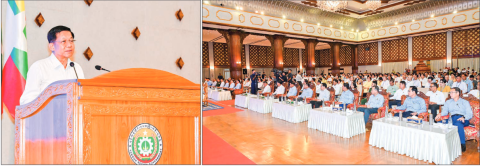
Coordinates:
<point>413,20</point>
<point>341,27</point>
<point>454,11</point>
<point>331,26</point>
<point>241,8</point>
<point>256,11</point>
<point>357,30</point>
<point>301,20</point>
<point>206,2</point>
<point>432,15</point>
<point>373,4</point>
<point>332,6</point>
<point>352,30</point>
<point>368,29</point>
<point>261,13</point>
<point>396,23</point>
<point>283,16</point>
<point>237,8</point>
<point>318,24</point>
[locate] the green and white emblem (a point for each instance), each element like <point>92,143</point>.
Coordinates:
<point>145,144</point>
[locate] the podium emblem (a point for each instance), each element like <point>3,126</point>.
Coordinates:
<point>145,144</point>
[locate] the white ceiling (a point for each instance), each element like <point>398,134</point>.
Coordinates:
<point>362,7</point>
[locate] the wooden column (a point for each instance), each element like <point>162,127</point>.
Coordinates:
<point>335,53</point>
<point>354,58</point>
<point>277,42</point>
<point>310,51</point>
<point>234,40</point>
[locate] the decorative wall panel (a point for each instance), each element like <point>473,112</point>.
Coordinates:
<point>395,50</point>
<point>261,56</point>
<point>220,55</point>
<point>369,57</point>
<point>317,58</point>
<point>466,38</point>
<point>304,58</point>
<point>325,58</point>
<point>205,60</point>
<point>244,62</point>
<point>346,56</point>
<point>290,57</point>
<point>430,47</point>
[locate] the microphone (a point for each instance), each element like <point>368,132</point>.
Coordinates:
<point>73,65</point>
<point>98,67</point>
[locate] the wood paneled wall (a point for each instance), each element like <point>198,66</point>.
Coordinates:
<point>290,57</point>
<point>220,55</point>
<point>346,56</point>
<point>368,57</point>
<point>261,56</point>
<point>395,50</point>
<point>205,57</point>
<point>325,58</point>
<point>430,47</point>
<point>466,38</point>
<point>304,58</point>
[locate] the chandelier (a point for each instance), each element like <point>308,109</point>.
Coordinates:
<point>373,4</point>
<point>332,5</point>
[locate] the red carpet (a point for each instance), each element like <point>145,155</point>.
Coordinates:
<point>217,151</point>
<point>228,102</point>
<point>226,109</point>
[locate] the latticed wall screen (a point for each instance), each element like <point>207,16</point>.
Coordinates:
<point>346,56</point>
<point>395,50</point>
<point>304,58</point>
<point>261,56</point>
<point>220,55</point>
<point>430,47</point>
<point>205,60</point>
<point>466,38</point>
<point>317,58</point>
<point>325,58</point>
<point>244,62</point>
<point>369,57</point>
<point>290,57</point>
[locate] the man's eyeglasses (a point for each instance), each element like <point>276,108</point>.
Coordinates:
<point>63,42</point>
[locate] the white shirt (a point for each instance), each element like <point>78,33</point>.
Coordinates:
<point>338,89</point>
<point>318,88</point>
<point>280,90</point>
<point>398,79</point>
<point>427,85</point>
<point>260,84</point>
<point>329,79</point>
<point>475,93</point>
<point>424,81</point>
<point>222,84</point>
<point>266,89</point>
<point>399,93</point>
<point>246,84</point>
<point>44,72</point>
<point>436,97</point>
<point>462,85</point>
<point>385,84</point>
<point>232,85</point>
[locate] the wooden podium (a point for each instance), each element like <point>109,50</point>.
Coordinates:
<point>88,121</point>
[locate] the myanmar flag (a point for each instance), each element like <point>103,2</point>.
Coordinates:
<point>14,73</point>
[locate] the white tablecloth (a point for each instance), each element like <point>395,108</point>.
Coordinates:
<point>261,105</point>
<point>242,101</point>
<point>337,123</point>
<point>219,96</point>
<point>427,143</point>
<point>291,113</point>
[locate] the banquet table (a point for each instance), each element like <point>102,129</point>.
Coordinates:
<point>261,105</point>
<point>432,143</point>
<point>220,95</point>
<point>242,101</point>
<point>338,123</point>
<point>290,112</point>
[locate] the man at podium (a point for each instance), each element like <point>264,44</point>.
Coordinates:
<point>56,67</point>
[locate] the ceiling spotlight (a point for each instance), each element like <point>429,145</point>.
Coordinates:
<point>341,27</point>
<point>413,20</point>
<point>432,15</point>
<point>241,8</point>
<point>237,8</point>
<point>357,30</point>
<point>454,11</point>
<point>318,24</point>
<point>256,11</point>
<point>368,29</point>
<point>352,30</point>
<point>331,26</point>
<point>284,17</point>
<point>206,2</point>
<point>396,23</point>
<point>261,13</point>
<point>301,20</point>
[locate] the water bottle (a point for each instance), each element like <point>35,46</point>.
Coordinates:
<point>354,108</point>
<point>400,115</point>
<point>450,121</point>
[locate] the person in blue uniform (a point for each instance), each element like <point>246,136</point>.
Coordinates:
<point>254,78</point>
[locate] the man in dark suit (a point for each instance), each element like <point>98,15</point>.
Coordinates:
<point>220,76</point>
<point>254,86</point>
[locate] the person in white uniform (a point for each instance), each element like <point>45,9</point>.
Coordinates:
<point>460,84</point>
<point>57,66</point>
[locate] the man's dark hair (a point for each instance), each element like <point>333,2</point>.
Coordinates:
<point>471,76</point>
<point>376,88</point>
<point>335,80</point>
<point>324,85</point>
<point>435,84</point>
<point>457,89</point>
<point>430,78</point>
<point>52,34</point>
<point>414,89</point>
<point>253,70</point>
<point>391,80</point>
<point>381,79</point>
<point>346,85</point>
<point>375,82</point>
<point>403,82</point>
